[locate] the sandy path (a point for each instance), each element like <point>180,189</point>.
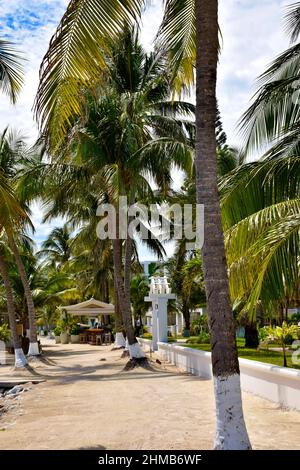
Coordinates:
<point>89,403</point>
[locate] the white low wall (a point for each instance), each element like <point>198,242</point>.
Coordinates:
<point>277,384</point>
<point>146,344</point>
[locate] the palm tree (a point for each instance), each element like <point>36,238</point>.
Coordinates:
<point>57,247</point>
<point>186,281</point>
<point>273,118</point>
<point>261,201</point>
<point>12,152</point>
<point>10,214</point>
<point>192,27</point>
<point>139,289</point>
<point>116,138</point>
<point>20,359</point>
<point>260,206</point>
<point>11,70</point>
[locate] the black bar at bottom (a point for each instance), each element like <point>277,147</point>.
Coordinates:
<point>134,459</point>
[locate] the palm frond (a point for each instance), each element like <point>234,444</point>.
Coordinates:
<point>177,35</point>
<point>292,21</point>
<point>77,56</point>
<point>11,70</point>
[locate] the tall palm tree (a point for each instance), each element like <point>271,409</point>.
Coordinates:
<point>11,70</point>
<point>20,359</point>
<point>192,27</point>
<point>12,152</point>
<point>11,213</point>
<point>231,430</point>
<point>117,136</point>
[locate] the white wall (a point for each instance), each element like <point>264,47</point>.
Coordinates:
<point>278,384</point>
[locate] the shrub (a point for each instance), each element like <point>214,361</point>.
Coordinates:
<point>203,338</point>
<point>295,318</point>
<point>57,331</point>
<point>199,325</point>
<point>4,333</point>
<point>289,339</point>
<point>186,333</point>
<point>263,334</point>
<point>147,335</point>
<point>75,330</point>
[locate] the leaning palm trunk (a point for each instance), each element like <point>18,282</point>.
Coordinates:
<point>20,359</point>
<point>135,350</point>
<point>33,347</point>
<point>119,340</point>
<point>231,431</point>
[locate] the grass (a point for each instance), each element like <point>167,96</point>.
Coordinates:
<point>262,355</point>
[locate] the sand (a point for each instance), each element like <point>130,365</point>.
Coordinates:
<point>88,402</point>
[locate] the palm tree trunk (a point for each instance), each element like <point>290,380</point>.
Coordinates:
<point>186,315</point>
<point>231,431</point>
<point>135,350</point>
<point>284,354</point>
<point>251,335</point>
<point>34,347</point>
<point>119,340</point>
<point>20,359</point>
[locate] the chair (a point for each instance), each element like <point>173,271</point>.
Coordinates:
<point>82,338</point>
<point>107,338</point>
<point>99,340</point>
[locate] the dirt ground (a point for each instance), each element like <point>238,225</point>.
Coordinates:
<point>88,402</point>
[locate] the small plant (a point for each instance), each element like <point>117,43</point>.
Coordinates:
<point>57,331</point>
<point>282,334</point>
<point>75,329</point>
<point>147,335</point>
<point>203,338</point>
<point>199,325</point>
<point>295,318</point>
<point>4,333</point>
<point>65,323</point>
<point>263,334</point>
<point>289,339</point>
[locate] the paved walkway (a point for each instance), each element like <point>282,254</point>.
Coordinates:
<point>88,402</point>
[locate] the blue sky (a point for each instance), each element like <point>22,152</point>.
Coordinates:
<point>252,36</point>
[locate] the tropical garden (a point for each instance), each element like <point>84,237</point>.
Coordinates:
<point>115,122</point>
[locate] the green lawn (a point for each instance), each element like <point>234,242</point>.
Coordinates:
<point>263,355</point>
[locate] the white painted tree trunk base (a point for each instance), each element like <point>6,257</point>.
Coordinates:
<point>135,351</point>
<point>33,349</point>
<point>231,433</point>
<point>20,359</point>
<point>119,341</point>
<point>126,345</point>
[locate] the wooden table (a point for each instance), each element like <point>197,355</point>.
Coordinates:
<point>92,334</point>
